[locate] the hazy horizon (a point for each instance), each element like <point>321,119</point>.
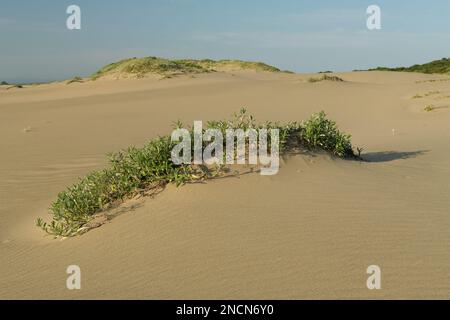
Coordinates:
<point>294,35</point>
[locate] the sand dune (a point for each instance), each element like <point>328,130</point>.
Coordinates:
<point>308,232</point>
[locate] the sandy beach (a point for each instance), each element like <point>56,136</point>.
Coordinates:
<point>309,232</point>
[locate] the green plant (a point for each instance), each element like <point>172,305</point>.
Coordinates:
<point>138,170</point>
<point>75,79</point>
<point>441,66</point>
<point>321,133</point>
<point>4,83</point>
<point>326,77</point>
<point>140,67</point>
<point>429,108</point>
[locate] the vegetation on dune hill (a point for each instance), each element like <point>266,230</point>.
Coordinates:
<point>139,67</point>
<point>429,108</point>
<point>438,66</point>
<point>140,170</point>
<point>4,83</point>
<point>15,86</point>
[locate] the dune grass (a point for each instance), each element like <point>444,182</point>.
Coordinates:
<point>75,79</point>
<point>138,170</point>
<point>427,94</point>
<point>140,67</point>
<point>429,108</point>
<point>15,86</point>
<point>326,77</point>
<point>432,93</point>
<point>437,66</point>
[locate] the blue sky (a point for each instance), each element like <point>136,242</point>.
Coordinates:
<point>300,35</point>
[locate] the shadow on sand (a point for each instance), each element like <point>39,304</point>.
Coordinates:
<point>386,156</point>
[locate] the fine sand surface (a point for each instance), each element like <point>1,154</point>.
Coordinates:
<point>310,231</point>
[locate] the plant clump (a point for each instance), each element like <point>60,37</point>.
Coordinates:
<point>75,79</point>
<point>140,67</point>
<point>429,108</point>
<point>139,170</point>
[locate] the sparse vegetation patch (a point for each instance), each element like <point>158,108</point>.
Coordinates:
<point>431,93</point>
<point>140,67</point>
<point>429,108</point>
<point>326,77</point>
<point>427,94</point>
<point>140,170</point>
<point>75,79</point>
<point>433,80</point>
<point>438,66</point>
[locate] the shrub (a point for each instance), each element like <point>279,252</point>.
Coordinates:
<point>137,170</point>
<point>320,133</point>
<point>139,67</point>
<point>326,77</point>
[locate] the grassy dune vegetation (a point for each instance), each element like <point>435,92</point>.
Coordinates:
<point>438,66</point>
<point>75,79</point>
<point>139,170</point>
<point>139,67</point>
<point>326,77</point>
